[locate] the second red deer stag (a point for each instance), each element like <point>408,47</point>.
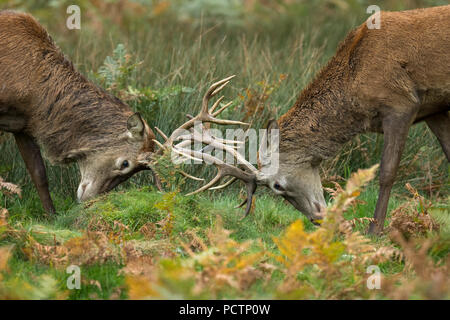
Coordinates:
<point>47,104</point>
<point>380,80</point>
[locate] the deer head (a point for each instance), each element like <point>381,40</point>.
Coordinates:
<point>291,176</point>
<point>298,183</point>
<point>102,170</point>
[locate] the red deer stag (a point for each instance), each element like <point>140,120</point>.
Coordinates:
<point>47,104</point>
<point>380,80</point>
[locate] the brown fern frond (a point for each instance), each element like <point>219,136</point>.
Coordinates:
<point>9,188</point>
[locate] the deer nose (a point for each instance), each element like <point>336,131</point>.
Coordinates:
<point>319,214</point>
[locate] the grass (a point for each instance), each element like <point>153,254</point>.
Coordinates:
<point>135,208</point>
<point>171,56</point>
<point>145,226</point>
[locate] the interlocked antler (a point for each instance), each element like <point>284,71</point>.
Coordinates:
<point>248,175</point>
<point>205,115</point>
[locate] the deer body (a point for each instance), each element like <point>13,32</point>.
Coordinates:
<point>380,80</point>
<point>47,104</point>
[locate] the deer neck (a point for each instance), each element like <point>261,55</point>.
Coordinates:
<point>74,114</point>
<point>322,120</point>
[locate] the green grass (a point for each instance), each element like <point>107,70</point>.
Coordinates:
<point>136,207</point>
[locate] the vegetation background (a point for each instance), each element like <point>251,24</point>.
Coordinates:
<point>160,57</point>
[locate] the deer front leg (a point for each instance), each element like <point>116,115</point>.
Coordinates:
<point>31,155</point>
<point>395,130</point>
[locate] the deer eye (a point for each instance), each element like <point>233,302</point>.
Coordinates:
<point>125,164</point>
<point>278,187</point>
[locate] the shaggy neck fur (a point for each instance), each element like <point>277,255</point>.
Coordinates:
<point>325,115</point>
<point>68,115</point>
<point>73,114</point>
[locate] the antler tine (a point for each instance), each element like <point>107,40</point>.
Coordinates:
<point>157,180</point>
<point>208,185</point>
<point>230,122</point>
<point>213,90</point>
<point>251,188</point>
<point>161,133</point>
<point>146,159</point>
<point>187,175</point>
<point>219,88</point>
<point>161,147</point>
<point>226,184</point>
<point>223,108</point>
<point>185,153</point>
<point>216,104</point>
<point>242,203</point>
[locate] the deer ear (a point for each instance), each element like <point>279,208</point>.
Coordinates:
<point>269,143</point>
<point>136,126</point>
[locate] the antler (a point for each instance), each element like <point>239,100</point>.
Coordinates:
<point>248,175</point>
<point>205,115</point>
